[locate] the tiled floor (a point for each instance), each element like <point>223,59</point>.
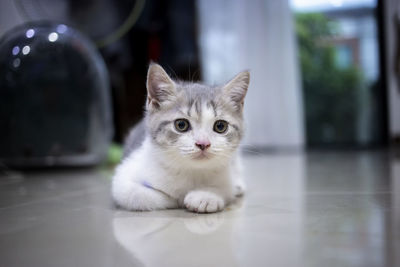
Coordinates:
<point>316,209</point>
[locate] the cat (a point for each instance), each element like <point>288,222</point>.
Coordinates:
<point>184,154</point>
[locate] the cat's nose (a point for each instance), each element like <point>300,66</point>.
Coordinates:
<point>203,145</point>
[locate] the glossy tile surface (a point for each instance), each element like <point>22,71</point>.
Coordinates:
<point>315,209</point>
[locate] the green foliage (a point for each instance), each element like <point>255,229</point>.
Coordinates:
<point>114,155</point>
<point>330,92</point>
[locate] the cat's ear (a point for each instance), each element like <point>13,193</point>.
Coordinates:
<point>236,89</point>
<point>160,87</point>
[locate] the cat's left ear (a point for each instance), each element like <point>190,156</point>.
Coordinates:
<point>236,89</point>
<point>161,89</point>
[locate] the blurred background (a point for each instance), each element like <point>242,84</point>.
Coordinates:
<point>322,161</point>
<point>325,73</point>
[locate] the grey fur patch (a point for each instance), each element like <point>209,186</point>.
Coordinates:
<point>235,127</point>
<point>172,136</point>
<point>237,134</point>
<point>231,137</point>
<point>159,129</point>
<point>198,107</point>
<point>190,105</point>
<point>214,107</point>
<point>134,138</point>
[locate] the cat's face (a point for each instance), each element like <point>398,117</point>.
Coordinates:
<point>194,123</point>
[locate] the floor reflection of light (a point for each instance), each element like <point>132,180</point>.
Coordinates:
<point>30,33</point>
<point>15,50</point>
<point>26,49</point>
<point>53,37</point>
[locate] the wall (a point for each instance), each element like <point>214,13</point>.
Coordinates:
<point>391,8</point>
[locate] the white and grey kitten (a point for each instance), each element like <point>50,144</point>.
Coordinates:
<point>184,152</point>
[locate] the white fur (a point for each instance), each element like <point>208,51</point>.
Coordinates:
<point>168,170</point>
<point>195,188</point>
<point>175,178</point>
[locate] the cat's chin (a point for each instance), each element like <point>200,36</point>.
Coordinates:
<point>202,156</point>
<point>206,160</point>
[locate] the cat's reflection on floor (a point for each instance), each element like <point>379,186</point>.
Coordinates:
<point>205,223</point>
<point>177,237</point>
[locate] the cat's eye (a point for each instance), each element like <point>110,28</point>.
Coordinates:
<point>220,126</point>
<point>182,125</point>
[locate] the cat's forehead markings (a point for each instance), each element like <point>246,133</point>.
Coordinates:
<point>194,109</point>
<point>212,105</point>
<point>189,107</point>
<point>198,107</point>
<point>208,113</point>
<point>188,112</point>
<point>182,112</point>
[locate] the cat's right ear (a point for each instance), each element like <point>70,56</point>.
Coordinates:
<point>236,89</point>
<point>160,87</point>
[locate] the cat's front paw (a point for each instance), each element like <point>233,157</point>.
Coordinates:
<point>203,202</point>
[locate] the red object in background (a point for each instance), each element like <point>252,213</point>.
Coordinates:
<point>154,48</point>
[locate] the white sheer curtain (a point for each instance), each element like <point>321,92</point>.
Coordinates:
<point>392,9</point>
<point>256,35</point>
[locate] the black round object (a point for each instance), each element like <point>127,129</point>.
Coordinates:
<point>54,97</point>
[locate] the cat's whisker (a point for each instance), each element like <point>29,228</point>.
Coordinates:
<point>251,150</point>
<point>173,72</point>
